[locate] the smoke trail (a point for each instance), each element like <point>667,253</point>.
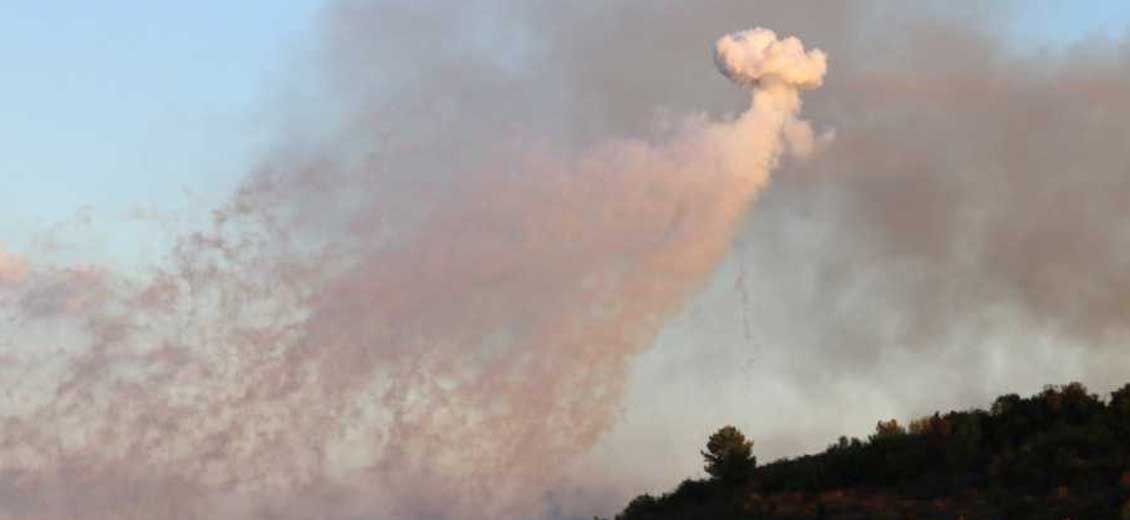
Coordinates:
<point>314,351</point>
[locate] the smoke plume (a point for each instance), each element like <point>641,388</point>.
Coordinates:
<point>319,349</point>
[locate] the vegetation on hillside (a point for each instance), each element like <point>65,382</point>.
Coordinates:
<point>1062,453</point>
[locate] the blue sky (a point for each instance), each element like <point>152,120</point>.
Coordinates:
<point>1053,21</point>
<point>119,104</point>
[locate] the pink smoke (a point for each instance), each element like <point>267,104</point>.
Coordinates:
<point>317,349</point>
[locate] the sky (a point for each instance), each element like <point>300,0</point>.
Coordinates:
<point>539,226</point>
<point>115,106</point>
<point>1066,21</point>
<point>120,105</point>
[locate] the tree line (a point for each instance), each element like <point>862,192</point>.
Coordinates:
<point>1063,452</point>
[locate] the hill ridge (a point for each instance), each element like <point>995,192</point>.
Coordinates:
<point>1061,453</point>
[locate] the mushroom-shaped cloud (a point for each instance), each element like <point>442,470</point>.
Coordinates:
<point>755,57</point>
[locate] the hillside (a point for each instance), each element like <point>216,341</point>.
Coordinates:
<point>1063,453</point>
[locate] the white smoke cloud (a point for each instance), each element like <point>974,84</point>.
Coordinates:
<point>756,57</point>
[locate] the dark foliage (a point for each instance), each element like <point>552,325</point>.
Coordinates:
<point>1061,453</point>
<point>729,456</point>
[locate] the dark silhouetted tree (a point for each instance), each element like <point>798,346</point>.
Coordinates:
<point>1120,401</point>
<point>729,456</point>
<point>891,428</point>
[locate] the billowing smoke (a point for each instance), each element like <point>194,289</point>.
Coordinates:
<point>756,58</point>
<point>322,349</point>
